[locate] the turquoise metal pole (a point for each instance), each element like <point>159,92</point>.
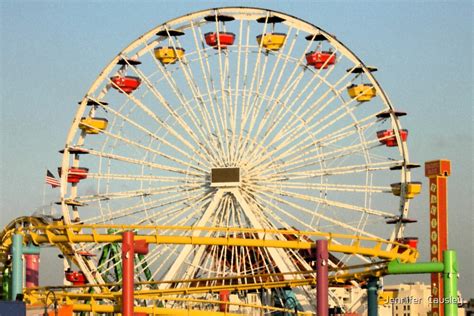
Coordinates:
<point>372,296</point>
<point>17,266</point>
<point>450,277</point>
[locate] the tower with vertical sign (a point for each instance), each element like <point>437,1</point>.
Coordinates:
<point>438,171</point>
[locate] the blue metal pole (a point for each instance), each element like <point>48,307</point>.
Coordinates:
<point>17,266</point>
<point>372,296</point>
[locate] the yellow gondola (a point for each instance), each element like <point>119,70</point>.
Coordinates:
<point>169,55</point>
<point>412,189</point>
<point>271,41</point>
<point>362,92</point>
<point>93,125</point>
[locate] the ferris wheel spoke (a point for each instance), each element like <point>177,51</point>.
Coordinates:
<point>350,169</point>
<point>305,210</point>
<point>258,96</point>
<point>234,101</point>
<point>339,135</point>
<point>197,96</point>
<point>277,219</point>
<point>177,204</point>
<point>187,71</point>
<point>148,149</point>
<point>142,163</point>
<point>327,141</point>
<point>327,202</point>
<point>284,224</point>
<point>173,214</point>
<point>200,253</point>
<point>271,105</point>
<point>246,98</point>
<point>109,196</point>
<point>155,255</point>
<point>179,212</point>
<point>223,68</point>
<point>283,111</point>
<point>234,123</point>
<point>315,108</point>
<point>298,150</point>
<point>168,107</point>
<point>162,123</point>
<point>130,177</point>
<point>298,163</point>
<point>373,166</point>
<point>150,133</point>
<point>192,83</point>
<point>120,213</point>
<point>209,119</point>
<point>160,204</point>
<point>286,135</point>
<point>327,187</point>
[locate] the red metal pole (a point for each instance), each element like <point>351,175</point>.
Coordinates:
<point>128,254</point>
<point>32,270</point>
<point>437,171</point>
<point>322,284</point>
<point>224,297</point>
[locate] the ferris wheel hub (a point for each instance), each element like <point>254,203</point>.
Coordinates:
<point>225,177</point>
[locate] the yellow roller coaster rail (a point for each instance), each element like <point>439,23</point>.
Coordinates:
<point>94,306</point>
<point>39,231</point>
<point>159,294</point>
<point>112,299</point>
<point>337,243</point>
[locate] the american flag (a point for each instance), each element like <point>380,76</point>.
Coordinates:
<point>50,179</point>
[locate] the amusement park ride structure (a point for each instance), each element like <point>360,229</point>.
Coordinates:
<point>230,150</point>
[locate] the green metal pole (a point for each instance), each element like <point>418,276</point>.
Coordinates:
<point>395,267</point>
<point>115,255</point>
<point>372,296</point>
<point>17,266</point>
<point>145,267</point>
<point>6,283</point>
<point>450,278</point>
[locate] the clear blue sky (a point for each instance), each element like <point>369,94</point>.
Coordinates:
<point>51,52</point>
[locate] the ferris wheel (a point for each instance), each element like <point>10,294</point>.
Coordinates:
<point>235,118</point>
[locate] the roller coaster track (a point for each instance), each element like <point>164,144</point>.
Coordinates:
<point>40,231</point>
<point>64,235</point>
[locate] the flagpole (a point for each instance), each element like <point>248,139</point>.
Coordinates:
<point>44,199</point>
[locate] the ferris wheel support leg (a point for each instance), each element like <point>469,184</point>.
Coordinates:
<point>128,255</point>
<point>187,249</point>
<point>322,284</point>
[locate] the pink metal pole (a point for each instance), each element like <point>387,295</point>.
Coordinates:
<point>322,283</point>
<point>32,270</point>
<point>128,254</point>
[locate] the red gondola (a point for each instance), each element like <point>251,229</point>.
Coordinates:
<point>75,174</point>
<point>76,277</point>
<point>411,242</point>
<point>321,60</point>
<point>225,39</point>
<point>128,84</point>
<point>388,138</point>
